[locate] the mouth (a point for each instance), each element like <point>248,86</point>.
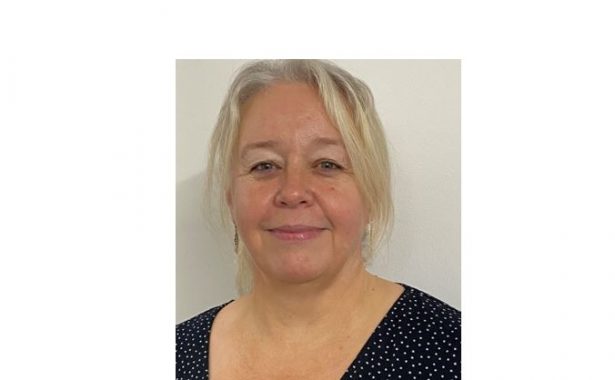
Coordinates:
<point>296,232</point>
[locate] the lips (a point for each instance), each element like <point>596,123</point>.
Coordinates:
<point>296,232</point>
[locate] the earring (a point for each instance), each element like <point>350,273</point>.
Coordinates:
<point>367,239</point>
<point>236,241</point>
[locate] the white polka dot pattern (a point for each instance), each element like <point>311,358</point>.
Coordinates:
<point>419,338</point>
<point>192,345</point>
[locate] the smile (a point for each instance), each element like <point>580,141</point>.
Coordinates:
<point>297,233</point>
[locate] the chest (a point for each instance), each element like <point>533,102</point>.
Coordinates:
<point>231,359</point>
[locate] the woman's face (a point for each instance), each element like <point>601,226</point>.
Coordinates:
<point>293,196</point>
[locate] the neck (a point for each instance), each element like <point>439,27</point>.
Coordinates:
<point>290,313</point>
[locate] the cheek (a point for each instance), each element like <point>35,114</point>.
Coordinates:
<point>347,206</point>
<point>249,201</point>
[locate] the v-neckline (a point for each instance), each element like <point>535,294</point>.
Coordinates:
<point>368,343</point>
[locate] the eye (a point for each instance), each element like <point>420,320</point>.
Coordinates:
<point>328,165</point>
<point>263,167</point>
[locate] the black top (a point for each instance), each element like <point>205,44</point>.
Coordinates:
<point>418,338</point>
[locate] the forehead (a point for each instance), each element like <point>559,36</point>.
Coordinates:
<point>286,110</point>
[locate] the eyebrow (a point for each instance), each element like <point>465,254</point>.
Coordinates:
<point>326,141</point>
<point>271,144</point>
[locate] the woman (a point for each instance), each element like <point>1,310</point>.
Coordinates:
<point>299,158</point>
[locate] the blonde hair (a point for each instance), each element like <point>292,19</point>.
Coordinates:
<point>350,106</point>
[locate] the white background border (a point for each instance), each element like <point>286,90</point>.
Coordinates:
<point>87,153</point>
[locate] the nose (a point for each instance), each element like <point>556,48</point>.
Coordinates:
<point>294,190</point>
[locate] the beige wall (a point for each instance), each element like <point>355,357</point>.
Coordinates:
<point>419,103</point>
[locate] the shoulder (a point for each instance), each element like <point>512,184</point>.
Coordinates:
<point>192,343</point>
<point>420,313</point>
<point>425,320</point>
<point>198,323</point>
<point>420,337</point>
<point>418,302</point>
<point>422,318</point>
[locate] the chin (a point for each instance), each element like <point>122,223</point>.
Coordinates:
<point>296,268</point>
